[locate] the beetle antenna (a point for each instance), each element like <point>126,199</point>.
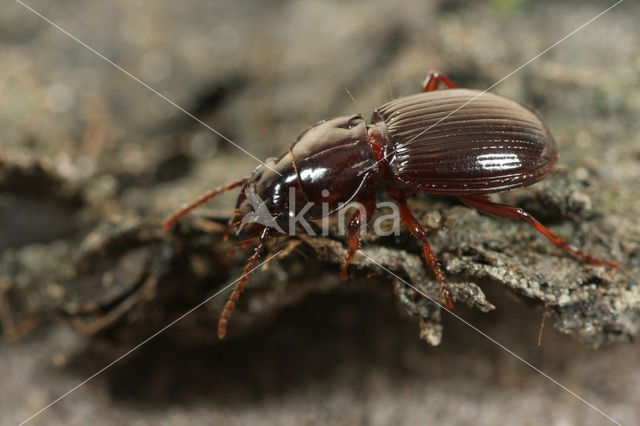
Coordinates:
<point>170,222</point>
<point>235,294</point>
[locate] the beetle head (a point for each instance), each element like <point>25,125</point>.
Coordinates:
<point>264,201</point>
<point>318,176</point>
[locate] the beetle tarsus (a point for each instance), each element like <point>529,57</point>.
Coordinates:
<point>447,298</point>
<point>485,205</point>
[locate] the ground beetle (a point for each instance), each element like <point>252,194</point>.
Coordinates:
<point>457,142</point>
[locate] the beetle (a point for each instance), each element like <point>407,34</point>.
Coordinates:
<point>455,142</point>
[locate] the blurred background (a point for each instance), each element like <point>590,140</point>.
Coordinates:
<point>260,73</point>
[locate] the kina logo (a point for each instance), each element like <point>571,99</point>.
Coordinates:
<point>260,213</point>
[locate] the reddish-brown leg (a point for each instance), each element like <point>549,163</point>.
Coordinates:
<point>243,245</point>
<point>204,198</point>
<point>485,205</point>
<point>359,217</point>
<point>418,231</point>
<point>230,225</point>
<point>433,80</point>
<point>235,294</point>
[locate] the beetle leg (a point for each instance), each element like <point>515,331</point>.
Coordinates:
<point>359,217</point>
<point>485,205</point>
<point>230,225</point>
<point>235,294</point>
<point>204,198</point>
<point>418,231</point>
<point>243,245</point>
<point>433,80</point>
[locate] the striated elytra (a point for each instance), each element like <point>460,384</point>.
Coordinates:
<point>488,144</point>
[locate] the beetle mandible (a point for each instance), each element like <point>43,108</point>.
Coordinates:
<point>457,142</point>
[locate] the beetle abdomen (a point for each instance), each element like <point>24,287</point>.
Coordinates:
<point>490,144</point>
